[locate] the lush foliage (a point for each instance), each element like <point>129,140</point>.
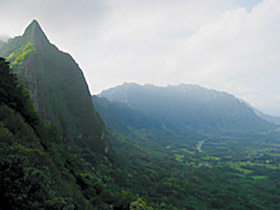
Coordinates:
<point>18,56</point>
<point>194,171</point>
<point>38,173</point>
<point>172,150</point>
<point>57,87</point>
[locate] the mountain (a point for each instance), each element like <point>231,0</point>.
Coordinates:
<point>268,118</point>
<point>181,109</point>
<point>182,144</point>
<point>37,172</point>
<point>120,116</point>
<point>1,43</point>
<point>197,166</point>
<point>34,173</point>
<point>57,87</point>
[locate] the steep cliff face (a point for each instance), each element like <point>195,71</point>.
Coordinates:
<point>57,87</point>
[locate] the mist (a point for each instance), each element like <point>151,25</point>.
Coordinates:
<point>230,46</point>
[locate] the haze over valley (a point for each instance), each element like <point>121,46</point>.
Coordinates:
<point>140,105</point>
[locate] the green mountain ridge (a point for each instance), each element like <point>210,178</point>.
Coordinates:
<point>37,172</point>
<point>173,148</point>
<point>186,107</point>
<point>57,86</point>
<point>225,157</point>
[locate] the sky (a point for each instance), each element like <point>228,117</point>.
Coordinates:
<point>227,45</point>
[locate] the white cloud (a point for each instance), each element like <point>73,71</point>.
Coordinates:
<point>228,45</point>
<point>4,37</point>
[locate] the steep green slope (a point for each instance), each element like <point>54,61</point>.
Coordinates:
<point>33,171</point>
<point>57,87</point>
<point>38,173</point>
<point>188,107</point>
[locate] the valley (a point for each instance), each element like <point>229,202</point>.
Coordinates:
<point>132,147</point>
<point>200,145</point>
<point>224,170</point>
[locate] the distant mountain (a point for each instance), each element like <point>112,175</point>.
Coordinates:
<point>268,118</point>
<point>179,109</point>
<point>57,86</point>
<point>120,116</point>
<point>1,43</point>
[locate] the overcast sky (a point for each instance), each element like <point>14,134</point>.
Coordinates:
<point>227,45</point>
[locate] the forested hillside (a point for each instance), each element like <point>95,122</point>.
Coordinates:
<point>195,168</point>
<point>36,172</point>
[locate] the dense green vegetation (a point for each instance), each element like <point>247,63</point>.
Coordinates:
<point>177,148</point>
<point>18,56</point>
<point>57,87</point>
<point>239,170</point>
<point>37,172</point>
<point>181,177</point>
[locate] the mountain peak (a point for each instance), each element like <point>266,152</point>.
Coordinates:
<point>34,32</point>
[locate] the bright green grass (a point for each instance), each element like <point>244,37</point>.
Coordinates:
<point>179,158</point>
<point>260,177</point>
<point>18,56</point>
<point>187,151</point>
<point>243,166</point>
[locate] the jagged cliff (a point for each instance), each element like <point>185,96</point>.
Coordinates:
<point>57,87</point>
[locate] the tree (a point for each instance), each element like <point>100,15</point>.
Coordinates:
<point>139,204</point>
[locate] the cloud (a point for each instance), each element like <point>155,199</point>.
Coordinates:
<point>242,47</point>
<point>4,37</point>
<point>64,18</point>
<point>228,45</point>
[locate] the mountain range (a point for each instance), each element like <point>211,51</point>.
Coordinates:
<point>180,109</point>
<point>210,134</point>
<point>158,148</point>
